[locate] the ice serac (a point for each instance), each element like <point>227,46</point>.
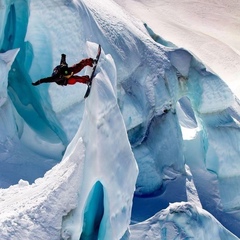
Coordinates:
<point>110,170</point>
<point>217,113</point>
<point>7,121</point>
<point>90,192</point>
<point>17,138</point>
<point>181,221</point>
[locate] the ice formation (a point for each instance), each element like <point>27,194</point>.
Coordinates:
<point>143,96</point>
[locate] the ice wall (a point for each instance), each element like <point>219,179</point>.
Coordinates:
<point>21,156</point>
<point>148,85</point>
<point>144,73</point>
<point>151,78</point>
<point>90,192</point>
<point>110,170</point>
<point>181,221</point>
<point>8,128</point>
<point>14,22</point>
<point>217,112</point>
<point>147,91</point>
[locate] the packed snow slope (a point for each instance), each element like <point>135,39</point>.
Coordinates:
<point>209,29</point>
<point>123,153</point>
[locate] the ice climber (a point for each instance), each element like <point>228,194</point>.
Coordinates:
<point>63,75</point>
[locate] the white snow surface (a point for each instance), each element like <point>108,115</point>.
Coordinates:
<point>159,126</point>
<point>209,29</point>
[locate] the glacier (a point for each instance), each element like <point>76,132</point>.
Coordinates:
<point>211,35</point>
<point>109,166</point>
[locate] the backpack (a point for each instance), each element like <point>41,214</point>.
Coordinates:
<point>61,71</point>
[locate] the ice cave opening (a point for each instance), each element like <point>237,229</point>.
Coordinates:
<point>187,119</point>
<point>93,213</point>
